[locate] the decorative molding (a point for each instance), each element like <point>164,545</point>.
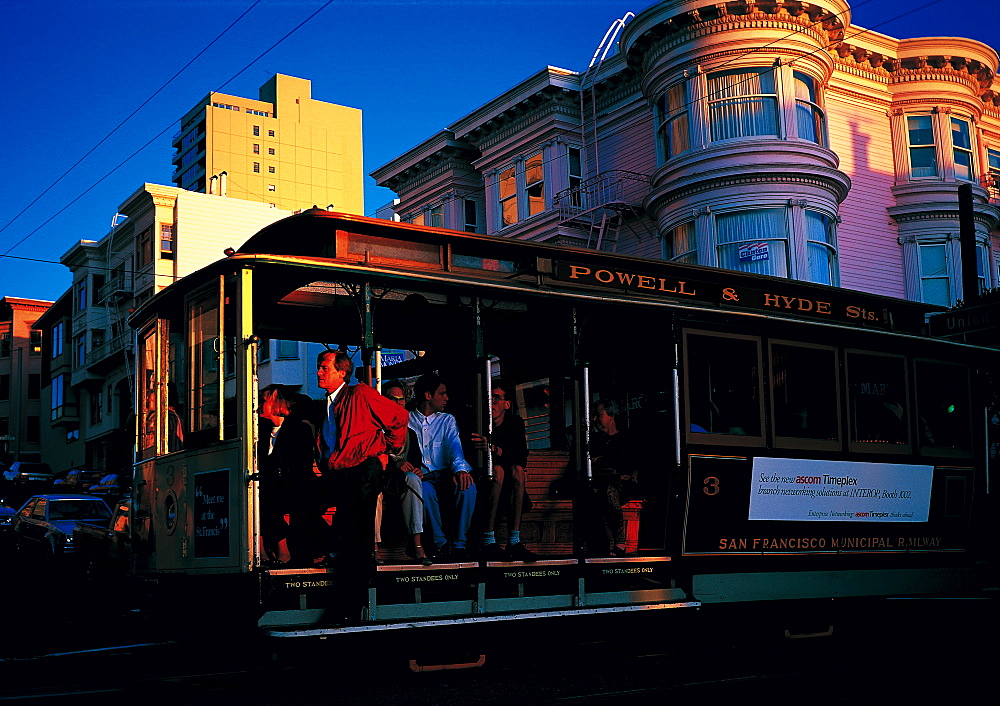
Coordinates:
<point>827,183</point>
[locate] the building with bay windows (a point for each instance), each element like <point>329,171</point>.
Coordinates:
<point>773,137</point>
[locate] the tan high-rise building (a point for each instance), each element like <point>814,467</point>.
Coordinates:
<point>285,149</point>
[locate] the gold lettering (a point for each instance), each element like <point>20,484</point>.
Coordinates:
<point>625,277</point>
<point>730,295</point>
<point>805,305</point>
<point>607,273</point>
<point>576,270</point>
<point>642,280</point>
<point>788,301</point>
<point>682,290</point>
<point>822,307</point>
<point>770,300</point>
<point>663,286</point>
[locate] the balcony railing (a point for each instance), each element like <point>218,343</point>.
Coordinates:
<point>991,182</point>
<point>616,190</point>
<point>117,288</point>
<point>111,346</point>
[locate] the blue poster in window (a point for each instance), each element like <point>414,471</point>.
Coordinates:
<point>392,358</point>
<point>753,252</point>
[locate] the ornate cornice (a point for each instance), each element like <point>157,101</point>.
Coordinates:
<point>432,166</point>
<point>552,100</point>
<point>822,26</point>
<point>837,187</point>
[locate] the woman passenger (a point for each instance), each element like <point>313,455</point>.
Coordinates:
<point>289,484</point>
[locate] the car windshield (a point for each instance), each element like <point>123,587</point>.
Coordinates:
<point>78,510</point>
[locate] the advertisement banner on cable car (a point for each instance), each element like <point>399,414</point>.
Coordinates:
<point>778,506</point>
<point>846,491</point>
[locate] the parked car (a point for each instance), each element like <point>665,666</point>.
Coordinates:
<point>105,545</point>
<point>113,485</point>
<point>45,524</point>
<point>76,480</point>
<point>22,472</point>
<point>6,516</point>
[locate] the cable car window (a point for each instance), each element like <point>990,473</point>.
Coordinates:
<point>878,402</point>
<point>147,394</point>
<point>394,249</point>
<point>944,421</point>
<point>204,344</point>
<point>723,387</point>
<point>804,394</point>
<point>176,385</point>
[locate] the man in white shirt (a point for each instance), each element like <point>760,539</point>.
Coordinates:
<point>447,476</point>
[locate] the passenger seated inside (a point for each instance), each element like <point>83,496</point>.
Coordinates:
<point>615,476</point>
<point>447,478</point>
<point>403,482</point>
<point>509,449</point>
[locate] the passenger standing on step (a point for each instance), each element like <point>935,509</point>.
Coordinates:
<point>360,428</point>
<point>510,457</point>
<point>447,476</point>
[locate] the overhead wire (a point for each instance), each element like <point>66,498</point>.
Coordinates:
<point>165,130</point>
<point>129,117</point>
<point>709,95</point>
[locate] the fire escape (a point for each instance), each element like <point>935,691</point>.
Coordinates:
<point>602,205</point>
<point>605,203</point>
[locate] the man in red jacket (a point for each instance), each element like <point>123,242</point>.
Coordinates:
<point>359,430</point>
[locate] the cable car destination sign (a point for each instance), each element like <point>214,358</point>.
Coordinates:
<point>738,290</point>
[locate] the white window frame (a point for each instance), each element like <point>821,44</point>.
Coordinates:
<point>797,242</point>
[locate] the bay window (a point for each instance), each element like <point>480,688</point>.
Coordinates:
<point>682,244</point>
<point>820,251</point>
<point>961,142</point>
<point>938,146</point>
<point>935,280</point>
<point>508,198</point>
<point>742,103</point>
<point>781,241</point>
<point>534,183</point>
<point>738,104</point>
<point>920,134</point>
<point>810,122</point>
<point>673,130</point>
<point>753,241</point>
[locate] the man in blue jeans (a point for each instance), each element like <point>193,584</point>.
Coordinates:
<point>447,475</point>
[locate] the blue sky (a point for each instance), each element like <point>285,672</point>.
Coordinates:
<point>75,69</point>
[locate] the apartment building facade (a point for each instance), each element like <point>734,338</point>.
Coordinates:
<point>768,137</point>
<point>164,233</point>
<point>286,148</point>
<point>20,379</point>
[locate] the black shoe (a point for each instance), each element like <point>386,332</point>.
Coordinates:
<point>520,552</point>
<point>492,552</point>
<point>458,555</point>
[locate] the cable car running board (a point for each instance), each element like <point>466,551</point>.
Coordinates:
<point>325,631</point>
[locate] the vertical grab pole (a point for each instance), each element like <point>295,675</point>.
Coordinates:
<point>677,406</point>
<point>488,392</point>
<point>588,469</point>
<point>378,369</point>
<point>368,335</point>
<point>485,386</point>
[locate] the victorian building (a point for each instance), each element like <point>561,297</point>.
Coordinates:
<point>771,137</point>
